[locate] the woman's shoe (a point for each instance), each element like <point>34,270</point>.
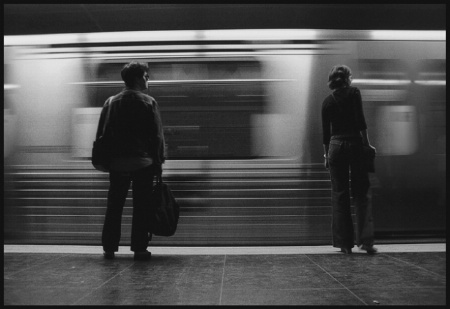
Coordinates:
<point>346,250</point>
<point>109,255</point>
<point>369,249</point>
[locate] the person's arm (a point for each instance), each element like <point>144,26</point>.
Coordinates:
<point>157,135</point>
<point>362,120</point>
<point>326,131</point>
<point>101,122</point>
<point>325,150</point>
<point>365,138</point>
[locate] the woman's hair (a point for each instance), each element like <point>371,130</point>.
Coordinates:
<point>133,70</point>
<point>340,76</point>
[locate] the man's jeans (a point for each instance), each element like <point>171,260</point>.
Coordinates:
<point>346,154</point>
<point>142,187</point>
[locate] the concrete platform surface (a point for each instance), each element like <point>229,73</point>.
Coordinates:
<point>413,274</point>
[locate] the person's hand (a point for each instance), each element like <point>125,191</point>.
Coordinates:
<point>366,144</point>
<point>326,164</point>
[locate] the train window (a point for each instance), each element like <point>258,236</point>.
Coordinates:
<point>382,69</point>
<point>206,105</point>
<point>430,99</point>
<point>431,72</point>
<point>391,117</point>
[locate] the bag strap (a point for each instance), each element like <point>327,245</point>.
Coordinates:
<point>159,178</point>
<point>107,115</point>
<point>332,94</point>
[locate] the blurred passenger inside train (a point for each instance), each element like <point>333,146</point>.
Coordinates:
<point>344,136</point>
<point>137,155</point>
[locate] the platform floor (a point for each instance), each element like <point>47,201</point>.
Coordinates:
<point>411,274</point>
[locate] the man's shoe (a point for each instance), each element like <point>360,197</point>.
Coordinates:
<point>369,249</point>
<point>142,256</point>
<point>108,255</point>
<point>346,250</point>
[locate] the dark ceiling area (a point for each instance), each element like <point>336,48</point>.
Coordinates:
<point>22,19</point>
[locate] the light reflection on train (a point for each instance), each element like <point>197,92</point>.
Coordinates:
<point>241,114</point>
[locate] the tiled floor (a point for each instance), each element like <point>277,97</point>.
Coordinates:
<point>276,276</point>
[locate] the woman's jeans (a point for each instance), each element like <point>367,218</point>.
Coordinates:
<point>142,187</point>
<point>346,154</point>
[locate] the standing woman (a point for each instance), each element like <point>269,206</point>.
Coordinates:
<point>344,134</point>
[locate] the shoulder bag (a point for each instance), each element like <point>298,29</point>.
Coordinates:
<point>102,146</point>
<point>165,210</point>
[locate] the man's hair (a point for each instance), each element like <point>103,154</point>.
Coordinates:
<point>339,77</point>
<point>133,70</point>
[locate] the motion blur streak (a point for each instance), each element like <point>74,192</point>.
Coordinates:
<point>241,114</point>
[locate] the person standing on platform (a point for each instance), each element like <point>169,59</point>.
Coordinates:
<point>137,155</point>
<point>344,134</point>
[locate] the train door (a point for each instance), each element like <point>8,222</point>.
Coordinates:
<point>9,104</point>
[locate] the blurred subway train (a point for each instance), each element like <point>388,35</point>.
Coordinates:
<point>241,114</point>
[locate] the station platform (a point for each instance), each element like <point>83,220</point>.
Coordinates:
<point>400,274</point>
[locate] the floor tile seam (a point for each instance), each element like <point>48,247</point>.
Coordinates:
<point>416,266</point>
<point>351,292</point>
<point>223,276</point>
<point>184,274</point>
<point>105,282</point>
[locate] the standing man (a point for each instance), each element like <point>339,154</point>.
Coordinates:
<point>137,153</point>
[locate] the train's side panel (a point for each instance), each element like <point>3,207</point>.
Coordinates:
<point>243,135</point>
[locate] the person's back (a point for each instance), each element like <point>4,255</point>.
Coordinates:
<point>343,111</point>
<point>136,127</point>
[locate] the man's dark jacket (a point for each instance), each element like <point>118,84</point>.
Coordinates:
<point>135,126</point>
